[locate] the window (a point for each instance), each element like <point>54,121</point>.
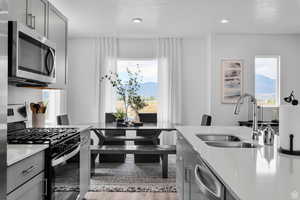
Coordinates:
<point>149,86</point>
<point>267,80</point>
<point>52,98</point>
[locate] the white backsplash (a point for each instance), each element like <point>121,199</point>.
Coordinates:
<point>20,95</point>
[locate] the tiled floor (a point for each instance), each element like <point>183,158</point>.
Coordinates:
<point>130,196</point>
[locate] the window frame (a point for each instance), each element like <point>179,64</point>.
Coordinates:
<point>278,57</point>
<point>139,59</point>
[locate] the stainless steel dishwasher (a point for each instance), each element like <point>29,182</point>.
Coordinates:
<point>206,185</point>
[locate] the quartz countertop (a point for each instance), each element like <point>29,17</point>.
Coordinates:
<point>251,174</point>
<point>18,152</point>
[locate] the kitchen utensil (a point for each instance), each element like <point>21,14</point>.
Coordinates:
<point>269,135</point>
<point>33,108</point>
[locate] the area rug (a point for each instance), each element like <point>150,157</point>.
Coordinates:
<point>129,177</point>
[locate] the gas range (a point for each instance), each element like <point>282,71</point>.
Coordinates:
<point>41,135</point>
<point>61,156</point>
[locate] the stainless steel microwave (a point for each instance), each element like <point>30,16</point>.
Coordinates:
<point>31,57</point>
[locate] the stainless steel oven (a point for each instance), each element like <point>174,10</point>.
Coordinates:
<point>31,57</point>
<point>65,170</point>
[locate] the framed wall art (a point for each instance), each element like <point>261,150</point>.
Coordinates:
<point>232,80</point>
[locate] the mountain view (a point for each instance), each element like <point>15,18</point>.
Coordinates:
<point>265,90</point>
<point>265,85</point>
<point>149,89</point>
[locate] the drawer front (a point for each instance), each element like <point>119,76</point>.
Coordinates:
<point>31,190</point>
<point>24,170</point>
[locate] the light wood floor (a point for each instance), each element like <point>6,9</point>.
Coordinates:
<point>130,196</point>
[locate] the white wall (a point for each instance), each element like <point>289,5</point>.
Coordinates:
<point>137,48</point>
<point>82,98</point>
<point>195,89</point>
<point>82,94</point>
<point>19,95</point>
<point>246,47</point>
<point>201,74</point>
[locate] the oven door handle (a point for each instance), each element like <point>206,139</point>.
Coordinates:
<point>66,157</point>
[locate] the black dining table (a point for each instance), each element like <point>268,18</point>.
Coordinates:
<point>146,126</point>
<point>147,132</point>
<point>157,128</point>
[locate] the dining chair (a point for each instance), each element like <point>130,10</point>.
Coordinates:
<point>144,158</point>
<point>63,120</point>
<point>110,118</point>
<point>206,120</point>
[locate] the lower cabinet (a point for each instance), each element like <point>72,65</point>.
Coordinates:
<point>31,190</point>
<point>230,196</point>
<point>179,168</point>
<point>26,179</point>
<point>185,169</point>
<point>194,179</point>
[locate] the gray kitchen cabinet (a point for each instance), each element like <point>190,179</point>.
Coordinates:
<point>184,171</point>
<point>32,13</point>
<point>58,33</point>
<point>189,174</point>
<point>230,195</point>
<point>179,167</point>
<point>49,22</point>
<point>32,190</point>
<point>85,164</point>
<point>26,179</point>
<point>37,15</point>
<point>17,10</point>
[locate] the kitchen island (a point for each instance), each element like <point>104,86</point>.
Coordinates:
<point>248,173</point>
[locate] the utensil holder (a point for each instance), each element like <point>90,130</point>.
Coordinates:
<point>38,120</point>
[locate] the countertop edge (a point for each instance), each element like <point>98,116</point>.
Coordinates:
<point>16,159</point>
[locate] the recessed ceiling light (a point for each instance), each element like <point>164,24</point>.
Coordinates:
<point>224,21</point>
<point>137,20</point>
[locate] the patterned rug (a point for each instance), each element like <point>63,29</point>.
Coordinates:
<point>129,177</point>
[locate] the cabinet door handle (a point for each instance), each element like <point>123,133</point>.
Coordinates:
<point>29,170</point>
<point>29,20</point>
<point>33,22</point>
<point>46,187</point>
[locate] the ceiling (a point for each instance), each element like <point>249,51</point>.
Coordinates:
<point>186,18</point>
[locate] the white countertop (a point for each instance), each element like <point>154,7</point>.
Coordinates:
<point>18,152</point>
<point>252,174</point>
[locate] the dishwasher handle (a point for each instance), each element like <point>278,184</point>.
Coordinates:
<point>203,177</point>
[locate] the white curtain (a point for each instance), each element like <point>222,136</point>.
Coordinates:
<point>106,61</point>
<point>169,83</point>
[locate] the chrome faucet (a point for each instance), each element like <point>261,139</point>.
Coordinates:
<point>255,131</point>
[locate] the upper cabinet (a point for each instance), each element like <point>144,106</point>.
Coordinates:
<point>58,33</point>
<point>32,13</point>
<point>45,19</point>
<point>37,15</point>
<point>18,10</point>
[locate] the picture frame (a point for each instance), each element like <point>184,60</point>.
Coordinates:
<point>232,80</point>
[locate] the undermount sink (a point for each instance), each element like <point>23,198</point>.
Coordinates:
<point>223,138</point>
<point>232,144</point>
<point>225,141</point>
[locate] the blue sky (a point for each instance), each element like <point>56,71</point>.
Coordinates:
<point>148,69</point>
<point>267,67</point>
